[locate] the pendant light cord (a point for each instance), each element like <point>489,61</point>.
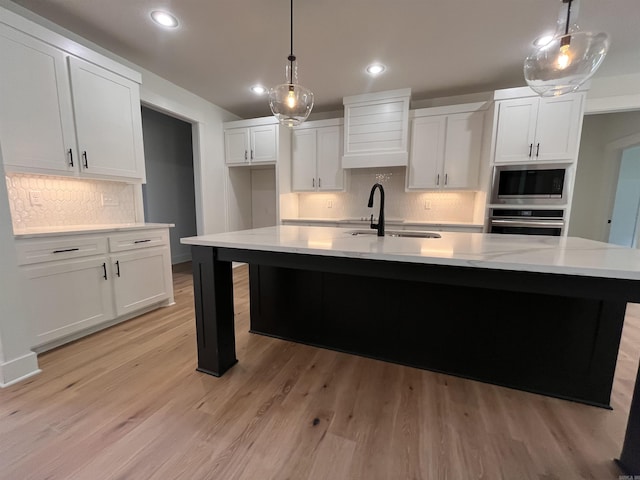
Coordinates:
<point>291,56</point>
<point>566,28</point>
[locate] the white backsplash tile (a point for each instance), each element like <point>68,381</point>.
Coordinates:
<point>399,204</point>
<point>67,201</point>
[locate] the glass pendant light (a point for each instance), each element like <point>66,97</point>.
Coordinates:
<point>569,59</point>
<point>290,102</point>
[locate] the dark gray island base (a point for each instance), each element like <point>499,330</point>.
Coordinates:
<point>552,334</point>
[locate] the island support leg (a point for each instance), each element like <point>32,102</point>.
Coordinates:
<point>630,456</point>
<point>213,295</point>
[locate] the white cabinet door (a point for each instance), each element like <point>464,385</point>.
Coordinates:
<point>66,297</point>
<point>140,278</point>
<point>427,152</point>
<point>108,121</point>
<point>558,128</point>
<point>515,135</point>
<point>36,119</point>
<point>329,158</point>
<point>264,144</point>
<point>236,146</point>
<point>303,160</point>
<point>462,150</point>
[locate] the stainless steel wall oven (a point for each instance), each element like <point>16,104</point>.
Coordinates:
<point>526,221</point>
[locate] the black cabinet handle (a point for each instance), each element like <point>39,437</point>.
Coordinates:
<point>118,267</point>
<point>142,241</point>
<point>537,150</point>
<point>66,250</point>
<point>70,158</point>
<point>104,266</point>
<point>319,182</point>
<point>245,154</point>
<point>313,183</point>
<point>85,161</point>
<point>530,148</point>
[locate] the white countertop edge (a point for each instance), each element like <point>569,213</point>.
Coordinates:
<point>82,229</point>
<point>498,252</point>
<point>387,222</point>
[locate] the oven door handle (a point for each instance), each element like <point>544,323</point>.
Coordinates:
<point>528,223</point>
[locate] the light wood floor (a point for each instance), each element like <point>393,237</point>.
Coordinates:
<point>127,403</point>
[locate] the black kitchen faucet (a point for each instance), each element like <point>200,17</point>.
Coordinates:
<point>380,225</point>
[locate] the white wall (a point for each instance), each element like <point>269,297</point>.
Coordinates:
<point>597,172</point>
<point>17,361</point>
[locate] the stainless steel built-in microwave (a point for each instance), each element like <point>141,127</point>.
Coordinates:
<point>529,184</point>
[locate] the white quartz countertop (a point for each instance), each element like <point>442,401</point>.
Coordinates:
<point>532,253</point>
<point>81,229</point>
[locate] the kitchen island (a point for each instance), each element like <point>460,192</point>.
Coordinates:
<point>542,314</point>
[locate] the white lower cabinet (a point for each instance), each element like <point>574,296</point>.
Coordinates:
<point>140,278</point>
<point>68,296</point>
<point>78,282</point>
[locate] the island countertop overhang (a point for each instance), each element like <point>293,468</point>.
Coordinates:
<point>525,253</point>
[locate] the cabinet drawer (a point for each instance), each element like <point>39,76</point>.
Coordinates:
<point>61,248</point>
<point>133,241</point>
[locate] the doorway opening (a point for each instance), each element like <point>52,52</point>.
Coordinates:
<point>626,208</point>
<point>169,194</point>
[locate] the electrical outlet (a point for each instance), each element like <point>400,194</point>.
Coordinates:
<point>110,200</point>
<point>35,197</point>
<point>329,203</point>
<point>427,204</point>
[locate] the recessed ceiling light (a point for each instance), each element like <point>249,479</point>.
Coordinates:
<point>259,89</point>
<point>376,69</point>
<point>165,19</point>
<point>542,40</point>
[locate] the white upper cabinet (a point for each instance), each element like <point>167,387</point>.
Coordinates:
<point>54,107</point>
<point>445,151</point>
<point>303,160</point>
<point>36,119</point>
<point>316,157</point>
<point>108,121</point>
<point>251,145</point>
<point>539,129</point>
<point>329,158</point>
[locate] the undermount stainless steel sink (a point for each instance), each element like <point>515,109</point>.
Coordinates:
<point>397,233</point>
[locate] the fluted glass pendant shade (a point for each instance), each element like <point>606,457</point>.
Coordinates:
<point>568,60</point>
<point>290,102</point>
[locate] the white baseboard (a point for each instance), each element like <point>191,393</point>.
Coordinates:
<point>18,369</point>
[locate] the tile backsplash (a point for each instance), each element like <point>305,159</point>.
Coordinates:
<point>399,204</point>
<point>47,201</point>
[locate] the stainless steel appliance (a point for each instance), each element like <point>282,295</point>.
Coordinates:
<point>530,185</point>
<point>526,221</point>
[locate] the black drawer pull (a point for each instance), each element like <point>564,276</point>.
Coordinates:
<point>118,267</point>
<point>142,241</point>
<point>104,266</point>
<point>66,250</point>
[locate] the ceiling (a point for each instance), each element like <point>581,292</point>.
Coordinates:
<point>437,48</point>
